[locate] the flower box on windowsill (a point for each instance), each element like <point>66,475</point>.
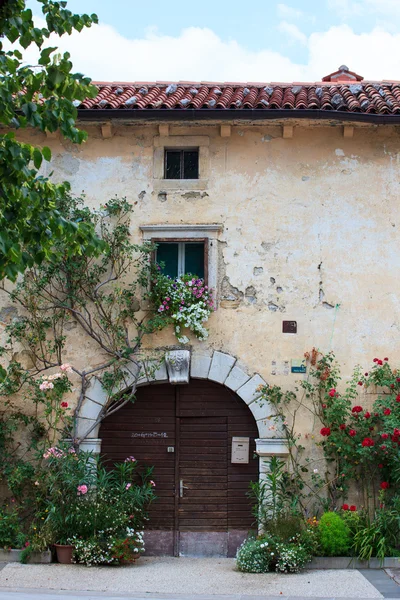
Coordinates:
<point>348,562</point>
<point>13,555</point>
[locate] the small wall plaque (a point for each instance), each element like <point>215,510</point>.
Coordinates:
<point>299,365</point>
<point>289,326</point>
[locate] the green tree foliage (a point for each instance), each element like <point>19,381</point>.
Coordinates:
<point>41,96</point>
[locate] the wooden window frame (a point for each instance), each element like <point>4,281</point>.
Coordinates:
<point>205,242</point>
<point>182,162</point>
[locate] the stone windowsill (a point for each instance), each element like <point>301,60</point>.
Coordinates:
<point>179,185</point>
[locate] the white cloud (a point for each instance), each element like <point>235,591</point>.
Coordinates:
<point>292,32</point>
<point>346,8</point>
<point>287,12</point>
<point>357,8</point>
<point>198,54</point>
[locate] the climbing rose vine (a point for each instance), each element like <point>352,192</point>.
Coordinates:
<point>359,435</point>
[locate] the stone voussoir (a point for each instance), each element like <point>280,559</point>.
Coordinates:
<point>221,365</point>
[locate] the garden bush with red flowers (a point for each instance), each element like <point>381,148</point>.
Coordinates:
<point>360,444</point>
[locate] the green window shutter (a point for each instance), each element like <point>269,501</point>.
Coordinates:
<point>167,253</point>
<point>194,259</point>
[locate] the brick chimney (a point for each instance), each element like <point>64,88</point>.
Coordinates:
<point>343,75</point>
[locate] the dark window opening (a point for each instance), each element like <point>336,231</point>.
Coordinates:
<point>181,164</point>
<point>180,258</point>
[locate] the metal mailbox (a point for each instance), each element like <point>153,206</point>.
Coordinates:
<point>240,450</point>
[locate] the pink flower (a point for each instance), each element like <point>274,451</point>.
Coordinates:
<point>66,368</point>
<point>152,483</point>
<point>46,385</point>
<point>128,485</point>
<point>130,459</point>
<point>82,489</point>
<point>56,452</point>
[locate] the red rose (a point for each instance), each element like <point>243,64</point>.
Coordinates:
<point>345,507</point>
<point>384,436</point>
<point>367,415</point>
<point>376,359</point>
<point>398,379</point>
<point>367,442</point>
<point>380,363</point>
<point>384,485</point>
<point>360,383</point>
<point>395,438</point>
<point>352,432</point>
<point>380,466</point>
<point>332,393</point>
<point>357,409</point>
<point>386,359</point>
<point>326,431</point>
<point>398,398</point>
<point>324,406</point>
<point>366,374</point>
<point>387,411</point>
<point>392,385</point>
<point>353,508</point>
<point>342,426</point>
<point>64,404</point>
<point>396,431</point>
<point>383,447</point>
<point>371,428</point>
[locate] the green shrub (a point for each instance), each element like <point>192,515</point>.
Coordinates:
<point>334,535</point>
<point>291,558</point>
<point>380,536</point>
<point>11,534</point>
<point>267,553</point>
<point>285,527</point>
<point>255,556</point>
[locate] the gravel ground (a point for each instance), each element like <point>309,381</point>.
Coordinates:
<point>187,576</point>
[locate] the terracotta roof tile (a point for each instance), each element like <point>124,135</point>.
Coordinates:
<point>353,96</point>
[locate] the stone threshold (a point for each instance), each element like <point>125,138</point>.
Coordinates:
<point>348,562</point>
<point>13,555</point>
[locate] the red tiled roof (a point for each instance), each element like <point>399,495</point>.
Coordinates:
<point>366,97</point>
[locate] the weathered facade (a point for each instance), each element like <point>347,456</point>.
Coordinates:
<point>299,211</point>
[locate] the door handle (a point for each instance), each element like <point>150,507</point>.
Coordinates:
<point>181,488</point>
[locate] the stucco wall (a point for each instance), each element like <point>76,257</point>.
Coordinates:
<point>308,223</point>
<point>309,234</point>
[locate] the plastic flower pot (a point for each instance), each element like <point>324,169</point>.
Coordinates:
<point>64,553</point>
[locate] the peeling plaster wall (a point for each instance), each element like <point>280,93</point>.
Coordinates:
<point>309,223</point>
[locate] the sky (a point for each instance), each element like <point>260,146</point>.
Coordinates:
<point>228,40</point>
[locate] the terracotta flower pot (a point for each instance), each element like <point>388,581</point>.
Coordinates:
<point>64,553</point>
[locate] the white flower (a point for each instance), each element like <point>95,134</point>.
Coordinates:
<point>315,470</point>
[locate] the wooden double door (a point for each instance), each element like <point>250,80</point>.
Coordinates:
<point>185,432</point>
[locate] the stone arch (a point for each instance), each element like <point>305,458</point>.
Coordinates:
<point>219,367</point>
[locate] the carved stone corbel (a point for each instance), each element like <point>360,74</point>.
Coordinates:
<point>178,363</point>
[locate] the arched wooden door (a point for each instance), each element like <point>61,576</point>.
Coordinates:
<point>186,433</point>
